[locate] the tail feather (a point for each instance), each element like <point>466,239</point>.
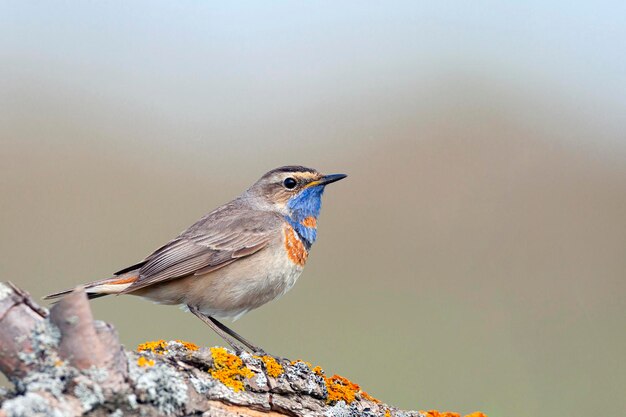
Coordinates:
<point>60,294</point>
<point>100,288</point>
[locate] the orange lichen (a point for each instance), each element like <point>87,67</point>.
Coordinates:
<point>387,413</point>
<point>310,222</point>
<point>160,346</point>
<point>435,413</point>
<point>368,397</point>
<point>155,346</point>
<point>229,369</point>
<point>274,369</point>
<point>188,345</point>
<point>145,362</point>
<point>340,388</point>
<point>296,251</point>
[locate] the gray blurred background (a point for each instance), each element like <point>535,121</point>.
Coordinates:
<point>473,260</point>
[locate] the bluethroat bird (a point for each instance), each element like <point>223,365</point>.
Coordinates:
<point>236,258</point>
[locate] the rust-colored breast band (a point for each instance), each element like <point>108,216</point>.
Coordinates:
<point>296,251</point>
<point>310,222</point>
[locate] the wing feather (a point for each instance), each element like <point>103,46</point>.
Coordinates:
<point>216,240</point>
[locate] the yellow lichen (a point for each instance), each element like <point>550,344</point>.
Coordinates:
<point>188,345</point>
<point>435,413</point>
<point>160,346</point>
<point>145,362</point>
<point>368,397</point>
<point>340,388</point>
<point>274,369</point>
<point>387,413</point>
<point>155,346</point>
<point>229,369</point>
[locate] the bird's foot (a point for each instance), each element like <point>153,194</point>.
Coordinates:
<point>259,352</point>
<point>236,347</point>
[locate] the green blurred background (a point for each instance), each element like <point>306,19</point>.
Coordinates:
<point>473,260</point>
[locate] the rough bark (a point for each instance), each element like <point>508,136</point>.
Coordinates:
<point>63,363</point>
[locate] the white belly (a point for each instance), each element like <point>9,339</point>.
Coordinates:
<point>232,291</point>
<point>254,293</point>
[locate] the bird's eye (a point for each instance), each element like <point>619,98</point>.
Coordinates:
<point>290,183</point>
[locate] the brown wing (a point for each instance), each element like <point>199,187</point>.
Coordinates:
<point>216,240</point>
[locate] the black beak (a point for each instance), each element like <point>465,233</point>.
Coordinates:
<point>327,179</point>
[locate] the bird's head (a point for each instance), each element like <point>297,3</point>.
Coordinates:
<point>293,191</point>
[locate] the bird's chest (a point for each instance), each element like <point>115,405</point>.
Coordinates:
<point>294,245</point>
<point>287,263</point>
<point>281,269</point>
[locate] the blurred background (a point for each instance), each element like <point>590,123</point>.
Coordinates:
<point>473,260</point>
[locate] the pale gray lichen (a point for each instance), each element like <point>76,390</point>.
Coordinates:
<point>97,374</point>
<point>88,390</point>
<point>49,373</point>
<point>132,401</point>
<point>174,346</point>
<point>28,358</point>
<point>250,360</point>
<point>201,385</point>
<point>367,412</point>
<point>29,405</point>
<point>117,413</point>
<point>46,335</point>
<point>341,409</point>
<point>338,410</point>
<point>317,382</point>
<point>45,338</point>
<point>89,394</point>
<point>303,379</point>
<point>51,381</point>
<point>261,380</point>
<point>160,385</point>
<point>298,370</point>
<point>255,364</point>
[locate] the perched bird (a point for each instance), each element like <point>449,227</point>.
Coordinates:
<point>236,258</point>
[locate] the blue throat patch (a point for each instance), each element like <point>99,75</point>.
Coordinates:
<point>307,203</point>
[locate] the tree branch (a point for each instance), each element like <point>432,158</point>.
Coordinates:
<point>65,364</point>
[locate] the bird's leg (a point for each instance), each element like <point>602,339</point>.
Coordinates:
<point>217,329</point>
<point>254,349</point>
